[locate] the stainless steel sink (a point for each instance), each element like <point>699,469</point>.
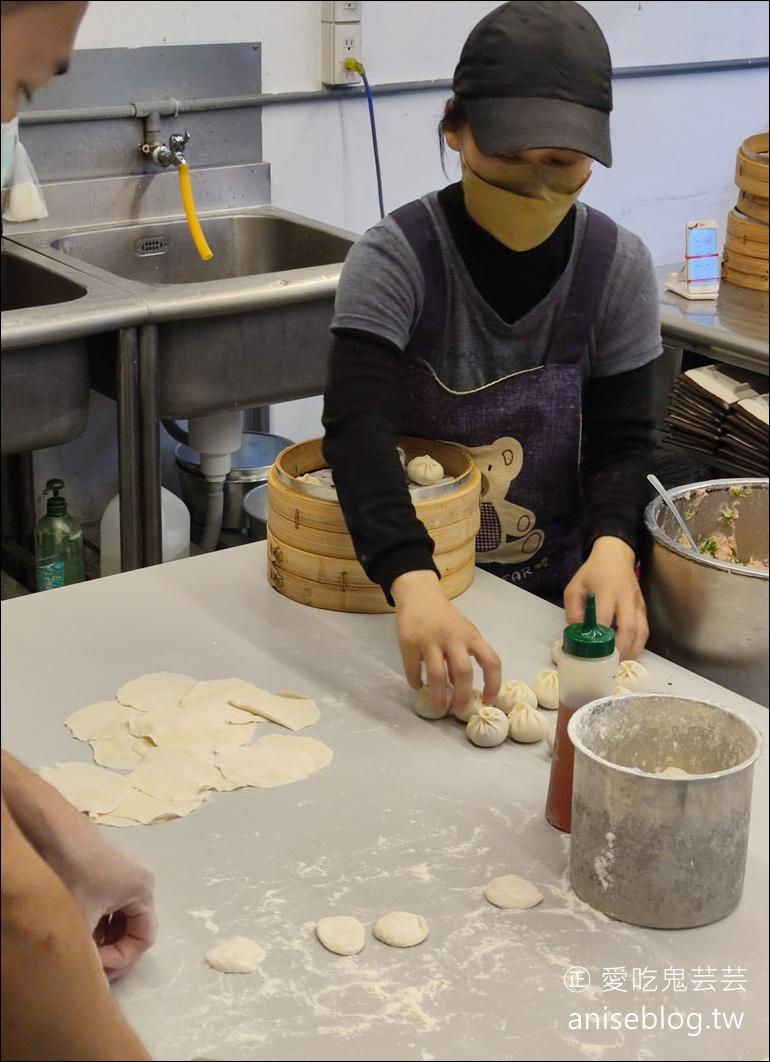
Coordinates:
<point>47,314</point>
<point>244,245</point>
<point>247,328</point>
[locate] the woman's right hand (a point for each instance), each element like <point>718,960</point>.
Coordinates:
<point>433,633</point>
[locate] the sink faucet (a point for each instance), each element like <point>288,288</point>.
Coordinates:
<point>173,155</point>
<point>153,146</point>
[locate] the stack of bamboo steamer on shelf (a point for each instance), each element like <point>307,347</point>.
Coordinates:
<point>744,257</point>
<point>310,554</point>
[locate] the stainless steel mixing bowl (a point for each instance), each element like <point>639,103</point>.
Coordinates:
<point>710,616</point>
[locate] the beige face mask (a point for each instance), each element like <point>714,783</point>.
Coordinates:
<point>524,206</point>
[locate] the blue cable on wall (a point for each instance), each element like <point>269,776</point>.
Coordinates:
<point>370,101</point>
<point>354,64</point>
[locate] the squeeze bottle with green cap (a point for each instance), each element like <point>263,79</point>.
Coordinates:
<point>59,554</point>
<point>588,664</point>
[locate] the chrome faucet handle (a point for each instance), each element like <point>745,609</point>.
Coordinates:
<point>177,142</point>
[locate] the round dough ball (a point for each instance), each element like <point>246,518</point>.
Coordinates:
<point>237,955</point>
<point>463,712</point>
<point>526,724</point>
<point>546,687</point>
<point>401,929</point>
<point>512,893</point>
<point>633,675</point>
<point>341,934</point>
<point>488,728</point>
<point>514,692</point>
<point>425,709</point>
<point>424,470</point>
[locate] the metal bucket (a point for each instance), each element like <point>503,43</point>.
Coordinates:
<point>710,616</point>
<point>255,506</point>
<point>249,466</point>
<point>647,848</point>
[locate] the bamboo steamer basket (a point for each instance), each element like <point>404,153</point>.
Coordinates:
<point>753,206</point>
<point>310,554</point>
<point>751,165</point>
<point>745,252</point>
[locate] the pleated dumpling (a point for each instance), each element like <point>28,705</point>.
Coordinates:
<point>526,724</point>
<point>546,687</point>
<point>424,470</point>
<point>511,693</point>
<point>474,704</point>
<point>488,727</point>
<point>633,675</point>
<point>425,709</point>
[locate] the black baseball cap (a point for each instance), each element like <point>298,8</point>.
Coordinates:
<point>537,75</point>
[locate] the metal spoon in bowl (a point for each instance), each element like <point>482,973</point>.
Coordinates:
<point>673,509</point>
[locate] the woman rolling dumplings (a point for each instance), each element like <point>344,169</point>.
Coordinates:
<point>502,314</point>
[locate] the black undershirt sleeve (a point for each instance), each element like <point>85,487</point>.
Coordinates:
<point>362,417</point>
<point>617,455</point>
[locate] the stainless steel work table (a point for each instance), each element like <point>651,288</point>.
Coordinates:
<point>730,328</point>
<point>408,816</point>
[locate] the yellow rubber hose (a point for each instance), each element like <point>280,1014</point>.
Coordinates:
<point>185,186</point>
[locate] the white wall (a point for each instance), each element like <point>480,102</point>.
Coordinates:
<point>674,137</point>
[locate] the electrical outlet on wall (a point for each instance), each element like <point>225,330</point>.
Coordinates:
<point>346,11</point>
<point>339,42</point>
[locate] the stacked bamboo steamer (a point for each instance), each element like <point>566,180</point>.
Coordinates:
<point>744,257</point>
<point>310,554</point>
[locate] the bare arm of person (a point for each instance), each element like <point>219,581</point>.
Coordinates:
<point>112,889</point>
<point>56,1002</point>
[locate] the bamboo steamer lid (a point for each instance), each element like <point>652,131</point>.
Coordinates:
<point>310,554</point>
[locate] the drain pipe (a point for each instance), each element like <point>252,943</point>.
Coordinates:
<point>216,438</point>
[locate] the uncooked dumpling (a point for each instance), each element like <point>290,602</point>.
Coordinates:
<point>424,470</point>
<point>556,651</point>
<point>237,955</point>
<point>425,709</point>
<point>633,675</point>
<point>512,892</point>
<point>311,480</point>
<point>514,692</point>
<point>463,712</point>
<point>487,728</point>
<point>526,724</point>
<point>550,738</point>
<point>621,691</point>
<point>546,687</point>
<point>401,929</point>
<point>341,934</point>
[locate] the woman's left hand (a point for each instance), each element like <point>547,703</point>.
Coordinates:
<point>609,573</point>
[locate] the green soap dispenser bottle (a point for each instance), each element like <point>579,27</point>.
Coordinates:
<point>59,554</point>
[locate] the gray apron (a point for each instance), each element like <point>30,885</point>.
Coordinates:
<point>524,430</point>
